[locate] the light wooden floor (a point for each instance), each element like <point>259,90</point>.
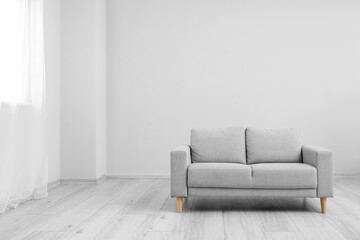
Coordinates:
<point>141,209</point>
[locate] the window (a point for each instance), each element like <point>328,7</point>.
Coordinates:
<point>15,67</point>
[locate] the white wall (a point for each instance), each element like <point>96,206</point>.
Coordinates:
<point>83,89</point>
<point>52,61</point>
<point>101,104</point>
<point>174,65</point>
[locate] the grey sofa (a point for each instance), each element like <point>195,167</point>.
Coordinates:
<point>250,163</point>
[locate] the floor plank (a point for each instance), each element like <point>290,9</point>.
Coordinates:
<point>104,220</point>
<point>142,209</point>
<point>206,220</point>
<point>271,216</point>
<point>240,221</point>
<point>141,214</point>
<point>313,226</point>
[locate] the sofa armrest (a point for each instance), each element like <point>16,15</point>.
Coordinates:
<point>322,159</point>
<point>180,159</point>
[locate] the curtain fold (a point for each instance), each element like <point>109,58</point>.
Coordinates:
<point>23,156</point>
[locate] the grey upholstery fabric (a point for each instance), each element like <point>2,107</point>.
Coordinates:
<point>311,178</point>
<point>322,159</point>
<point>228,175</point>
<point>179,161</point>
<point>262,175</point>
<point>272,145</point>
<point>236,192</point>
<point>283,175</point>
<point>218,145</point>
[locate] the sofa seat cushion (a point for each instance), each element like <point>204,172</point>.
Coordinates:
<point>283,175</point>
<point>218,145</point>
<point>219,175</point>
<point>273,145</point>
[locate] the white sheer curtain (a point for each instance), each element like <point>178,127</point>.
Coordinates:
<point>23,158</point>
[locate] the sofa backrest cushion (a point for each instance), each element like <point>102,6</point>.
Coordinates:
<point>273,145</point>
<point>218,145</point>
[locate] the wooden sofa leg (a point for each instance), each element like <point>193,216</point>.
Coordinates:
<point>179,204</point>
<point>323,204</point>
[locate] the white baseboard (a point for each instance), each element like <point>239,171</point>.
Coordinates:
<point>347,175</point>
<point>85,180</point>
<point>137,175</point>
<point>56,182</point>
<point>53,183</point>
